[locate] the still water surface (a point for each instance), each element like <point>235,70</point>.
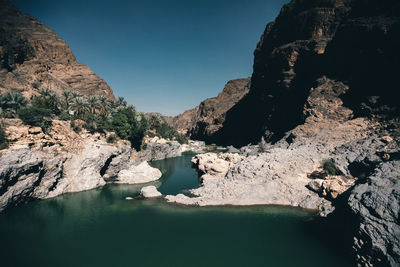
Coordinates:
<point>100,228</point>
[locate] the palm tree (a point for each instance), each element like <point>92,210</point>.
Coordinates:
<point>13,100</point>
<point>53,100</point>
<point>80,106</point>
<point>67,95</point>
<point>45,92</point>
<point>93,103</point>
<point>10,102</point>
<point>104,104</point>
<point>76,94</point>
<point>121,102</point>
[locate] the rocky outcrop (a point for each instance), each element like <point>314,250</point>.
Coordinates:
<point>158,148</point>
<point>213,166</point>
<point>19,174</point>
<point>40,165</point>
<point>310,40</point>
<point>375,205</point>
<point>34,57</point>
<point>138,174</point>
<point>193,146</point>
<point>203,121</point>
<point>150,191</point>
<point>28,174</point>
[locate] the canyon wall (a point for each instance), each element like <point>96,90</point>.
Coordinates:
<point>34,57</point>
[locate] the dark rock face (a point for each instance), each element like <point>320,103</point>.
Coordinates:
<point>33,57</point>
<point>376,205</point>
<point>351,41</point>
<point>203,121</point>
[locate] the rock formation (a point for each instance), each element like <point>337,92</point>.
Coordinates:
<point>307,41</point>
<point>194,146</point>
<point>138,174</point>
<point>150,191</point>
<point>158,148</point>
<point>323,87</point>
<point>203,121</point>
<point>41,165</point>
<point>33,57</point>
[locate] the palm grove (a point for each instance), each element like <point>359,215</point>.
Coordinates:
<point>94,113</point>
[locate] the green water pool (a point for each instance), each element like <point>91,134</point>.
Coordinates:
<point>100,228</point>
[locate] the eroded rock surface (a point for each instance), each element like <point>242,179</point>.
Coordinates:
<point>158,149</point>
<point>138,174</point>
<point>41,165</point>
<point>34,57</point>
<point>376,205</point>
<point>150,191</point>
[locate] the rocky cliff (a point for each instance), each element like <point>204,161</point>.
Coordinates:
<point>203,121</point>
<point>324,86</point>
<point>351,41</point>
<point>34,57</point>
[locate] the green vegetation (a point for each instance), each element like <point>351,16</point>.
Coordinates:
<point>112,138</point>
<point>330,168</point>
<point>36,116</point>
<point>94,113</point>
<point>10,103</point>
<point>261,147</point>
<point>189,152</point>
<point>159,127</point>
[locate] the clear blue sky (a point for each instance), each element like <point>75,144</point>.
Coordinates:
<point>161,55</point>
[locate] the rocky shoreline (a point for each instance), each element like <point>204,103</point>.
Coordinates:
<point>289,172</point>
<point>38,165</point>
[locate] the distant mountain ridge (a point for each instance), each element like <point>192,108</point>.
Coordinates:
<point>204,120</point>
<point>34,57</point>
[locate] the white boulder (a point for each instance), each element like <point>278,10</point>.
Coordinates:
<point>150,191</point>
<point>138,174</point>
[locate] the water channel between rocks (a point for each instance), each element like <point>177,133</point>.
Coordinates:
<point>100,228</point>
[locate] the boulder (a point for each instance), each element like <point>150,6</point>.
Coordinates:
<point>150,191</point>
<point>232,149</point>
<point>214,166</point>
<point>138,174</point>
<point>35,130</point>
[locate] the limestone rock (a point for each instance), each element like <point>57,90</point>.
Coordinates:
<point>195,146</point>
<point>150,191</point>
<point>20,171</point>
<point>157,149</point>
<point>332,186</point>
<point>83,171</point>
<point>214,166</point>
<point>138,174</point>
<point>232,149</point>
<point>181,199</point>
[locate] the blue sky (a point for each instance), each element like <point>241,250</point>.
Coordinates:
<point>162,56</point>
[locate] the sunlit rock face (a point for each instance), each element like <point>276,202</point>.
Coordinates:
<point>33,57</point>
